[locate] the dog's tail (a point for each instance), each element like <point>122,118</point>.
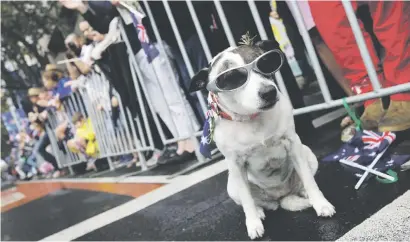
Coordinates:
<point>294,203</point>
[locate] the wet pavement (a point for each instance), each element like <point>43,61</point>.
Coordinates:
<point>54,212</point>
<point>205,212</point>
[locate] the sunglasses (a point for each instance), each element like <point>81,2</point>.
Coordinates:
<point>266,64</point>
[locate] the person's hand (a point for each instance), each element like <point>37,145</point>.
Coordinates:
<point>114,102</point>
<point>75,5</point>
<point>69,54</point>
<point>115,2</point>
<point>274,15</point>
<point>43,115</point>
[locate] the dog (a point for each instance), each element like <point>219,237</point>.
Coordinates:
<point>267,163</point>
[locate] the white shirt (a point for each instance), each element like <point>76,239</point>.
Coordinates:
<point>85,55</point>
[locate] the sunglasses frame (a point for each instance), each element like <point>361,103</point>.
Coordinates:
<point>212,87</point>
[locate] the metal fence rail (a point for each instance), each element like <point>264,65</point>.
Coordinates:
<point>133,134</point>
<point>92,100</point>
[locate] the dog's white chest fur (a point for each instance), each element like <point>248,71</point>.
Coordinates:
<point>261,146</point>
<point>268,165</point>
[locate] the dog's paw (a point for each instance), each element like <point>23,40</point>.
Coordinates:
<point>324,208</point>
<point>255,228</point>
<point>260,212</point>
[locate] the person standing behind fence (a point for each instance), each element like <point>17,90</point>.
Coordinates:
<point>114,60</point>
<point>391,24</point>
<point>332,72</point>
<point>79,54</point>
<point>151,66</point>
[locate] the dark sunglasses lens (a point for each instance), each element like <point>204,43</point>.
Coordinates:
<point>270,63</point>
<point>232,79</point>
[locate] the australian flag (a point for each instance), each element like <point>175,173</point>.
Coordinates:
<point>150,50</point>
<point>206,139</point>
<point>363,149</point>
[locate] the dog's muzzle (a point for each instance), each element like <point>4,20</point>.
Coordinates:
<point>269,95</point>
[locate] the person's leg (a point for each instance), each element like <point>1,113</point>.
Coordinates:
<point>334,27</point>
<point>47,156</point>
<point>162,96</point>
<point>186,80</point>
<point>391,23</point>
<point>296,41</point>
<point>328,59</point>
<point>181,112</point>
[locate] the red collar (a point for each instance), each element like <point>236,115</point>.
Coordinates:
<point>216,108</point>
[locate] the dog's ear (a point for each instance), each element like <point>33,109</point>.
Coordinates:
<point>199,81</point>
<point>267,45</point>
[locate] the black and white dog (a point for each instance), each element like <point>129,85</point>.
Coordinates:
<point>267,163</point>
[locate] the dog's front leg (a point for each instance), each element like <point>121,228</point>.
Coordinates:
<point>253,214</point>
<point>319,202</point>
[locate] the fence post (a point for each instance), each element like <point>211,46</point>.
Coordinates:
<point>183,52</point>
<point>311,51</point>
<point>362,45</point>
<point>159,40</point>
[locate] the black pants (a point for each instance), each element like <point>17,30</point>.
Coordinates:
<point>47,156</point>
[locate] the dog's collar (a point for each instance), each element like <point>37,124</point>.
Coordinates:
<point>216,109</point>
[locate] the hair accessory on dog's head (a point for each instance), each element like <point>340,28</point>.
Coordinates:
<point>246,39</point>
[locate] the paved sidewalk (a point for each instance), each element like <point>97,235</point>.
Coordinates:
<point>392,223</point>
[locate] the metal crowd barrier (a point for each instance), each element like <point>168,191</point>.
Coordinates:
<point>93,101</point>
<point>328,102</point>
<point>378,91</point>
<point>132,139</point>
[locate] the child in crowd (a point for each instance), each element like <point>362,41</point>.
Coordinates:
<point>84,139</point>
<point>55,81</point>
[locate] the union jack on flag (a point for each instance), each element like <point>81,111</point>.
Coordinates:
<point>363,149</point>
<point>150,50</point>
<point>375,140</point>
<point>142,34</point>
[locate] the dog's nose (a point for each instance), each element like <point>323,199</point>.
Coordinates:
<point>268,93</point>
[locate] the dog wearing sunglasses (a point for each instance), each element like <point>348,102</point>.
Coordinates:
<point>267,163</point>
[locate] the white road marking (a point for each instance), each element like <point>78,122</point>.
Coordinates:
<point>178,184</point>
<point>133,179</point>
<point>11,198</point>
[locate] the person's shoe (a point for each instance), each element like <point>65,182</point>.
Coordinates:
<point>170,156</point>
<point>397,117</point>
<point>372,115</point>
<point>91,166</point>
<point>56,174</point>
<point>133,162</point>
<point>154,158</point>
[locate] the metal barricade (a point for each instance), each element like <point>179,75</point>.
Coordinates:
<point>93,101</point>
<point>328,102</point>
<point>378,91</point>
<point>130,135</point>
